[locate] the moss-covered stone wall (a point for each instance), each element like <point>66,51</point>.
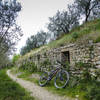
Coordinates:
<point>88,52</point>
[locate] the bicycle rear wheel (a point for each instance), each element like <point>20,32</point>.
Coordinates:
<point>43,79</point>
<point>61,79</point>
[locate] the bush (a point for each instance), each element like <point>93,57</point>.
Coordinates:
<point>93,91</point>
<point>97,40</point>
<point>15,58</point>
<point>29,66</point>
<point>46,64</point>
<point>75,35</point>
<point>85,68</point>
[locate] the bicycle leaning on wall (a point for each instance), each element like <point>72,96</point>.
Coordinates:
<point>61,79</point>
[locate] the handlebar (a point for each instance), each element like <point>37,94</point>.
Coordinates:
<point>60,63</point>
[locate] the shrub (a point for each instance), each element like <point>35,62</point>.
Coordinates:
<point>93,91</point>
<point>45,64</point>
<point>29,66</point>
<point>85,68</point>
<point>32,67</point>
<point>97,40</point>
<point>15,58</point>
<point>75,35</point>
<point>67,65</point>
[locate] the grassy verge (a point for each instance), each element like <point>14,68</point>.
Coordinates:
<point>10,90</point>
<point>82,89</point>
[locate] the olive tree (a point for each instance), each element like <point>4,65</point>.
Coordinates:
<point>10,32</point>
<point>35,41</point>
<point>63,21</point>
<point>88,8</point>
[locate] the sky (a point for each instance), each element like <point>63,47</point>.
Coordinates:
<point>34,16</point>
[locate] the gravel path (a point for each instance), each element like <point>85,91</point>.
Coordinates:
<point>36,91</point>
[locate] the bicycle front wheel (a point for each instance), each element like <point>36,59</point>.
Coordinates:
<point>43,79</point>
<point>61,79</point>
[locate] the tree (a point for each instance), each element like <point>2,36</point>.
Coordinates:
<point>88,8</point>
<point>4,60</point>
<point>42,38</point>
<point>10,32</point>
<point>23,50</point>
<point>35,41</point>
<point>64,21</point>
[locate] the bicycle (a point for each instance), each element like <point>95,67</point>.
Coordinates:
<point>61,79</point>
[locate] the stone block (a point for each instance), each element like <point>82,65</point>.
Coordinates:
<point>99,48</point>
<point>98,62</point>
<point>98,66</point>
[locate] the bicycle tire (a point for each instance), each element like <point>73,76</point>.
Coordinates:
<point>59,76</point>
<point>44,78</point>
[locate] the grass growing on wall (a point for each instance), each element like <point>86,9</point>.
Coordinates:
<point>10,90</point>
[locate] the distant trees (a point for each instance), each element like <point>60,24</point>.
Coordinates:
<point>10,32</point>
<point>31,43</point>
<point>35,41</point>
<point>42,38</point>
<point>63,21</point>
<point>88,8</point>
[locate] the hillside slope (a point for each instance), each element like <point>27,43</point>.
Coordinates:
<point>87,31</point>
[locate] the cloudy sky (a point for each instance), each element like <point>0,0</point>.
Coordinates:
<point>34,16</point>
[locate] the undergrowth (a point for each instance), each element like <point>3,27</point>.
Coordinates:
<point>10,90</point>
<point>83,88</point>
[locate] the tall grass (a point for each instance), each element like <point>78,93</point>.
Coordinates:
<point>10,90</point>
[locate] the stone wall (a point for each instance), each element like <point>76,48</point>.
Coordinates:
<point>76,52</point>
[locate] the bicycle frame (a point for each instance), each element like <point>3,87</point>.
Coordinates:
<point>53,73</point>
<point>57,73</point>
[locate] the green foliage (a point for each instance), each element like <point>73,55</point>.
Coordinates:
<point>85,8</point>
<point>11,32</point>
<point>83,65</point>
<point>10,90</point>
<point>74,35</point>
<point>85,68</point>
<point>4,60</point>
<point>67,66</point>
<point>93,91</point>
<point>63,21</point>
<point>84,32</point>
<point>15,58</point>
<point>97,40</point>
<point>46,64</point>
<point>29,66</point>
<point>34,42</point>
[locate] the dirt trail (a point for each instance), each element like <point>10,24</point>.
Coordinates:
<point>36,91</point>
